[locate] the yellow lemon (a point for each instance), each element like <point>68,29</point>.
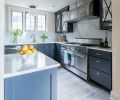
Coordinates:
<point>29,52</point>
<point>24,48</point>
<point>31,47</point>
<point>21,52</point>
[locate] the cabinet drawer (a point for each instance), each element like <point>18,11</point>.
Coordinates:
<point>100,64</point>
<point>101,78</point>
<point>100,54</point>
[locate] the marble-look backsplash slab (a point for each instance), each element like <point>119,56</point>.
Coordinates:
<point>89,29</point>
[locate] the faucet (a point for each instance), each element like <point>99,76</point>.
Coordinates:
<point>33,38</point>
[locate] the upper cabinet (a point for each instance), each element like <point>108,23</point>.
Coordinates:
<point>105,14</point>
<point>61,25</point>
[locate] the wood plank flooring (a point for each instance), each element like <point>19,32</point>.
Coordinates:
<point>71,87</point>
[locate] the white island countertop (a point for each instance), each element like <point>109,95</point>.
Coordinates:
<point>16,64</point>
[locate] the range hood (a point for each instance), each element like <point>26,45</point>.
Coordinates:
<point>90,10</point>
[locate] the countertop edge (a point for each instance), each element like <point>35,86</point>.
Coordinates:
<point>101,49</point>
<point>30,71</point>
<point>32,43</point>
<point>62,43</point>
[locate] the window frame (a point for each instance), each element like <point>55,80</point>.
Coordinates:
<point>34,23</point>
<point>23,11</point>
<point>12,17</point>
<point>45,23</point>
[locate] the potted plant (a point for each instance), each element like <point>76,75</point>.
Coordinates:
<point>16,33</point>
<point>43,37</point>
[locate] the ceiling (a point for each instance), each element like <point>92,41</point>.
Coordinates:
<point>46,5</point>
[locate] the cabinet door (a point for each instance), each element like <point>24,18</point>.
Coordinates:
<point>58,22</point>
<point>52,51</point>
<point>64,23</point>
<point>58,53</point>
<point>41,48</point>
<point>34,86</point>
<point>47,49</point>
<point>101,78</point>
<point>106,14</point>
<point>28,87</point>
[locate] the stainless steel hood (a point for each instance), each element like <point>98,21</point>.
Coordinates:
<point>87,11</point>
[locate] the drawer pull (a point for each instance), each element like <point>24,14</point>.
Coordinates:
<point>98,54</point>
<point>98,73</point>
<point>97,61</point>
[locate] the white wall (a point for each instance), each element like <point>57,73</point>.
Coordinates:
<point>116,50</point>
<point>1,49</point>
<point>50,26</point>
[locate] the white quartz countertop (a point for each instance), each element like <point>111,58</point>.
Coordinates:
<point>16,64</point>
<point>63,43</point>
<point>102,49</point>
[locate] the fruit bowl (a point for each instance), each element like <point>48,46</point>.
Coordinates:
<point>27,49</point>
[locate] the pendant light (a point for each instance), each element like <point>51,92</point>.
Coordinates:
<point>33,11</point>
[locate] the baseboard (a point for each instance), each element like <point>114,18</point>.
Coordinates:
<point>114,96</point>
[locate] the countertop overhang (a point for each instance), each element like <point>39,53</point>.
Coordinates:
<point>16,64</point>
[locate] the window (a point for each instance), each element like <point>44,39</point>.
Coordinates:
<point>30,22</point>
<point>41,23</point>
<point>17,20</point>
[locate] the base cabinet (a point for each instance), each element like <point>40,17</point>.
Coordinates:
<point>58,52</point>
<point>34,86</point>
<point>100,68</point>
<point>47,48</point>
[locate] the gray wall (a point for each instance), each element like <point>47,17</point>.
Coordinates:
<point>88,29</point>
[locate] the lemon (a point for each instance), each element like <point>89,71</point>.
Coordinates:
<point>28,52</point>
<point>24,48</point>
<point>31,47</point>
<point>21,52</point>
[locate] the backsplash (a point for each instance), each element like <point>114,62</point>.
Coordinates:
<point>89,29</point>
<point>26,37</point>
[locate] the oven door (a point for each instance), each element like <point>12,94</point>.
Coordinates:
<point>81,62</point>
<point>68,58</point>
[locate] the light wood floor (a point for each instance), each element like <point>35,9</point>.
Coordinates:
<point>71,87</point>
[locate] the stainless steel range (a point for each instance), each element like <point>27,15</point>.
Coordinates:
<point>74,56</point>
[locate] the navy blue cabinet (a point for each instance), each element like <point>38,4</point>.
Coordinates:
<point>33,86</point>
<point>47,48</point>
<point>61,26</point>
<point>100,67</point>
<point>52,50</point>
<point>10,49</point>
<point>58,52</point>
<point>39,47</point>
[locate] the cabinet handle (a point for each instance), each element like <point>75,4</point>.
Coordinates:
<point>97,61</point>
<point>98,73</point>
<point>98,54</point>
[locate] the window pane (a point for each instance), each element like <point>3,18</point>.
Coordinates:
<point>30,22</point>
<point>41,22</point>
<point>17,20</point>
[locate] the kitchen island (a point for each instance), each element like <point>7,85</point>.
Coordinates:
<point>30,77</point>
